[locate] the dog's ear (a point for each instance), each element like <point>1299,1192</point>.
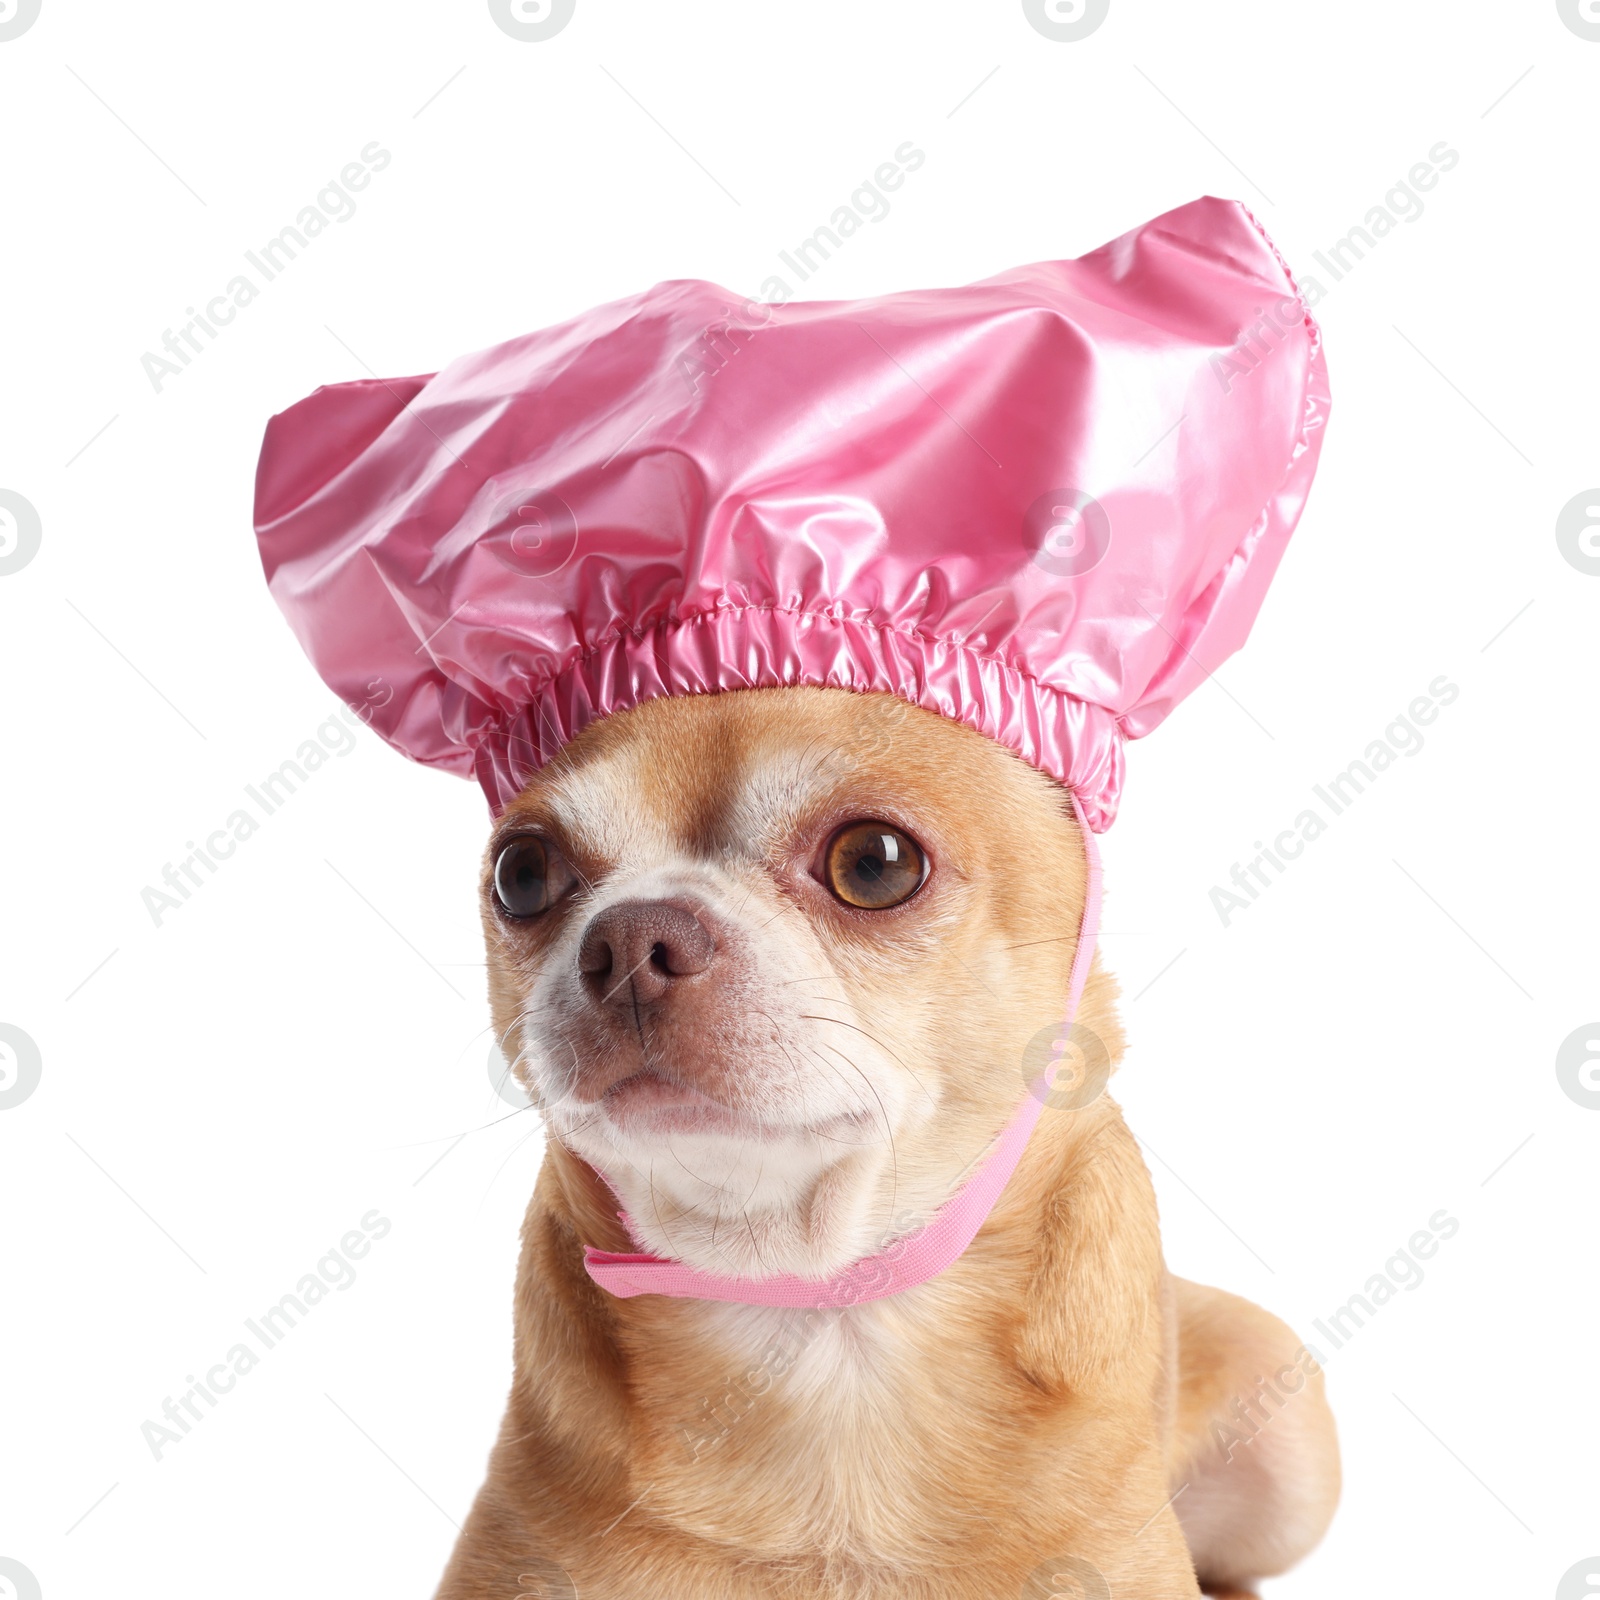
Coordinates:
<point>582,1400</point>
<point>1082,1326</point>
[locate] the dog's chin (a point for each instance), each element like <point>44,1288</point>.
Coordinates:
<point>726,1192</point>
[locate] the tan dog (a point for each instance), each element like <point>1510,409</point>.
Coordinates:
<point>783,1046</point>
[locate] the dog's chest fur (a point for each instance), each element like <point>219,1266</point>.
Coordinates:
<point>852,1435</point>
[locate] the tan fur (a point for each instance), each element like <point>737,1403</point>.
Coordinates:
<point>1052,1398</point>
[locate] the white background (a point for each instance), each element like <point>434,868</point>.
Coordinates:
<point>225,1095</point>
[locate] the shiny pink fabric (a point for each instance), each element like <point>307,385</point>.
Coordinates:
<point>1047,505</point>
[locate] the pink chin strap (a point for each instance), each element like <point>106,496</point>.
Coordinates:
<point>906,1262</point>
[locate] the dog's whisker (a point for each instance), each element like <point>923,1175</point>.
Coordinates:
<point>841,1022</point>
<point>828,1066</point>
<point>888,1126</point>
<point>755,1244</point>
<point>717,1188</point>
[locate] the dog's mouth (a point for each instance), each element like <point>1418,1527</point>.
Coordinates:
<point>651,1101</point>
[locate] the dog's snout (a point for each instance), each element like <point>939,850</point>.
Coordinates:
<point>633,952</point>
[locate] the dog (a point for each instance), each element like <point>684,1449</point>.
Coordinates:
<point>771,962</point>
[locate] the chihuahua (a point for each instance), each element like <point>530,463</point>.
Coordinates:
<point>771,962</point>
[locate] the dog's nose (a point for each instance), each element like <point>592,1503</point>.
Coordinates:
<point>632,952</point>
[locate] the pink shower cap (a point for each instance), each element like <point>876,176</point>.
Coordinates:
<point>1047,505</point>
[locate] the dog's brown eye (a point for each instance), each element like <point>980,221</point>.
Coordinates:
<point>874,866</point>
<point>522,877</point>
